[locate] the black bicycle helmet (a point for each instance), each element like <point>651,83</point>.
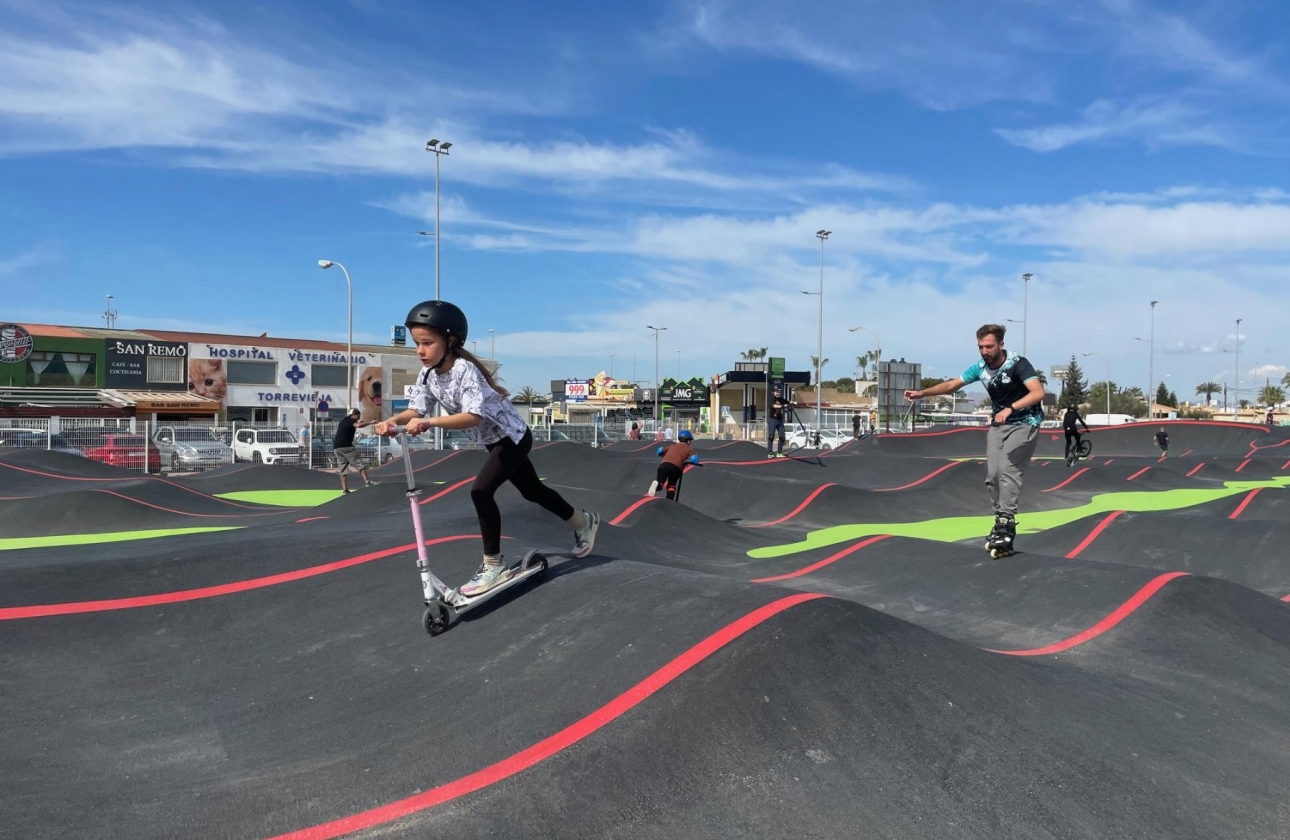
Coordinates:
<point>440,315</point>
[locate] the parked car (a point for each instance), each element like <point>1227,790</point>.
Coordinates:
<point>805,439</point>
<point>38,439</point>
<point>191,448</point>
<point>267,446</point>
<point>120,449</point>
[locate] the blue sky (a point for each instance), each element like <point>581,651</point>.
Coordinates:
<point>618,165</point>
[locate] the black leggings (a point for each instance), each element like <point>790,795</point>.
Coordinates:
<point>509,461</point>
<point>1071,435</point>
<point>669,476</point>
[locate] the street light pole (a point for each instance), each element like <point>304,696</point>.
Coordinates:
<point>439,149</point>
<point>658,399</point>
<point>822,235</point>
<point>1025,316</point>
<point>349,347</point>
<point>611,365</point>
<point>1151,366</point>
<point>492,351</point>
<point>678,365</point>
<point>1108,383</point>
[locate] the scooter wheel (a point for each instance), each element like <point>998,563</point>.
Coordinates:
<point>434,620</point>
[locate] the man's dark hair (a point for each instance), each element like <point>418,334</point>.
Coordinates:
<point>996,330</point>
<point>354,411</point>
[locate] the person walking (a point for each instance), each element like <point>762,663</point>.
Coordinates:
<point>1016,396</point>
<point>347,455</point>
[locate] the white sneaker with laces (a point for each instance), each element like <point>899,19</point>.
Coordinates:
<point>485,579</point>
<point>585,539</point>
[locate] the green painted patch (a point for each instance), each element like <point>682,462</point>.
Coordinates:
<point>958,528</point>
<point>91,539</point>
<point>284,498</point>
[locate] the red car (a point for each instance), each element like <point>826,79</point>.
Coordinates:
<point>122,449</point>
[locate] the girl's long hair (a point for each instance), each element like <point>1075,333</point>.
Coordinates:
<point>488,376</point>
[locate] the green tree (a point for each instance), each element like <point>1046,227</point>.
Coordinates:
<point>845,385</point>
<point>1074,387</point>
<point>1271,395</point>
<point>1122,402</point>
<point>864,360</point>
<point>1165,397</point>
<point>1208,390</point>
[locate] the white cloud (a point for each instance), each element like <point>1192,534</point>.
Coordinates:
<point>16,265</point>
<point>1164,122</point>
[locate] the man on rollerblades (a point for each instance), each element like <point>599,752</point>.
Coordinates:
<point>1015,394</point>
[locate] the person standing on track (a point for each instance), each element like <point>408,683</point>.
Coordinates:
<point>1015,396</point>
<point>1162,440</point>
<point>775,426</point>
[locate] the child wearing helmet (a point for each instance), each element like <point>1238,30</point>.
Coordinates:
<point>675,456</point>
<point>452,377</point>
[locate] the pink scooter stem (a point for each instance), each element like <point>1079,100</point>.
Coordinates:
<point>431,586</point>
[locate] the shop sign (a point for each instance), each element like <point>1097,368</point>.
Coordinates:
<point>15,344</point>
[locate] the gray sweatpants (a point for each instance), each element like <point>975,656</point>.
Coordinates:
<point>1008,449</point>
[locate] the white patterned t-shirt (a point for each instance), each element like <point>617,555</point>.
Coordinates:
<point>464,389</point>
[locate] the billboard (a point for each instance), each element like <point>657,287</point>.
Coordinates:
<point>15,344</point>
<point>283,378</point>
<point>145,365</point>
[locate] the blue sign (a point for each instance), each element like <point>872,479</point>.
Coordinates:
<point>399,405</point>
<point>399,335</point>
<point>323,406</point>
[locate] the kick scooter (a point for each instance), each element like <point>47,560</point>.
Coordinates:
<point>444,605</point>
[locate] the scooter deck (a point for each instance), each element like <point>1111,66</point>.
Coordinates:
<point>441,614</point>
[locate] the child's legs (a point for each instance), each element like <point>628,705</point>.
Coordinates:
<point>525,478</point>
<point>491,476</point>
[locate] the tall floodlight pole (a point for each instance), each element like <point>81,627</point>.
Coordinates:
<point>1025,316</point>
<point>1151,366</point>
<point>678,365</point>
<point>439,149</point>
<point>349,347</point>
<point>1236,383</point>
<point>492,348</point>
<point>819,338</point>
<point>611,365</point>
<point>658,398</point>
<point>1108,383</point>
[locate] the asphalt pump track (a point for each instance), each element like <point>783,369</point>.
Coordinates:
<point>814,646</point>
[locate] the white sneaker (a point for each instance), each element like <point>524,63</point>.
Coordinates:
<point>485,579</point>
<point>584,540</point>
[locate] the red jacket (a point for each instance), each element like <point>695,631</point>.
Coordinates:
<point>677,454</point>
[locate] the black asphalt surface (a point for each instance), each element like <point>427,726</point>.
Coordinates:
<point>1124,675</point>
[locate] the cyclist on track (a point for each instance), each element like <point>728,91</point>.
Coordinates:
<point>1069,421</point>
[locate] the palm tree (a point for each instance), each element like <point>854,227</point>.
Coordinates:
<point>818,366</point>
<point>863,360</point>
<point>1285,381</point>
<point>1208,390</point>
<point>527,396</point>
<point>1272,395</point>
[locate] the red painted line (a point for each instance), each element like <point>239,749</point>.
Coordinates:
<point>759,463</point>
<point>1254,447</point>
<point>927,477</point>
<point>1194,470</point>
<point>187,513</point>
<point>796,510</point>
<point>1243,465</point>
<point>1094,534</point>
<point>1283,466</point>
<point>446,491</point>
<point>1044,463</point>
<point>1121,612</point>
<point>959,430</point>
<point>1072,477</point>
<point>553,744</point>
<point>826,561</point>
<point>1185,454</point>
<point>1249,497</point>
<point>1138,473</point>
<point>75,607</point>
<point>1286,598</point>
<point>1107,461</point>
<point>631,509</point>
<point>126,477</point>
<point>311,519</point>
<point>436,463</point>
